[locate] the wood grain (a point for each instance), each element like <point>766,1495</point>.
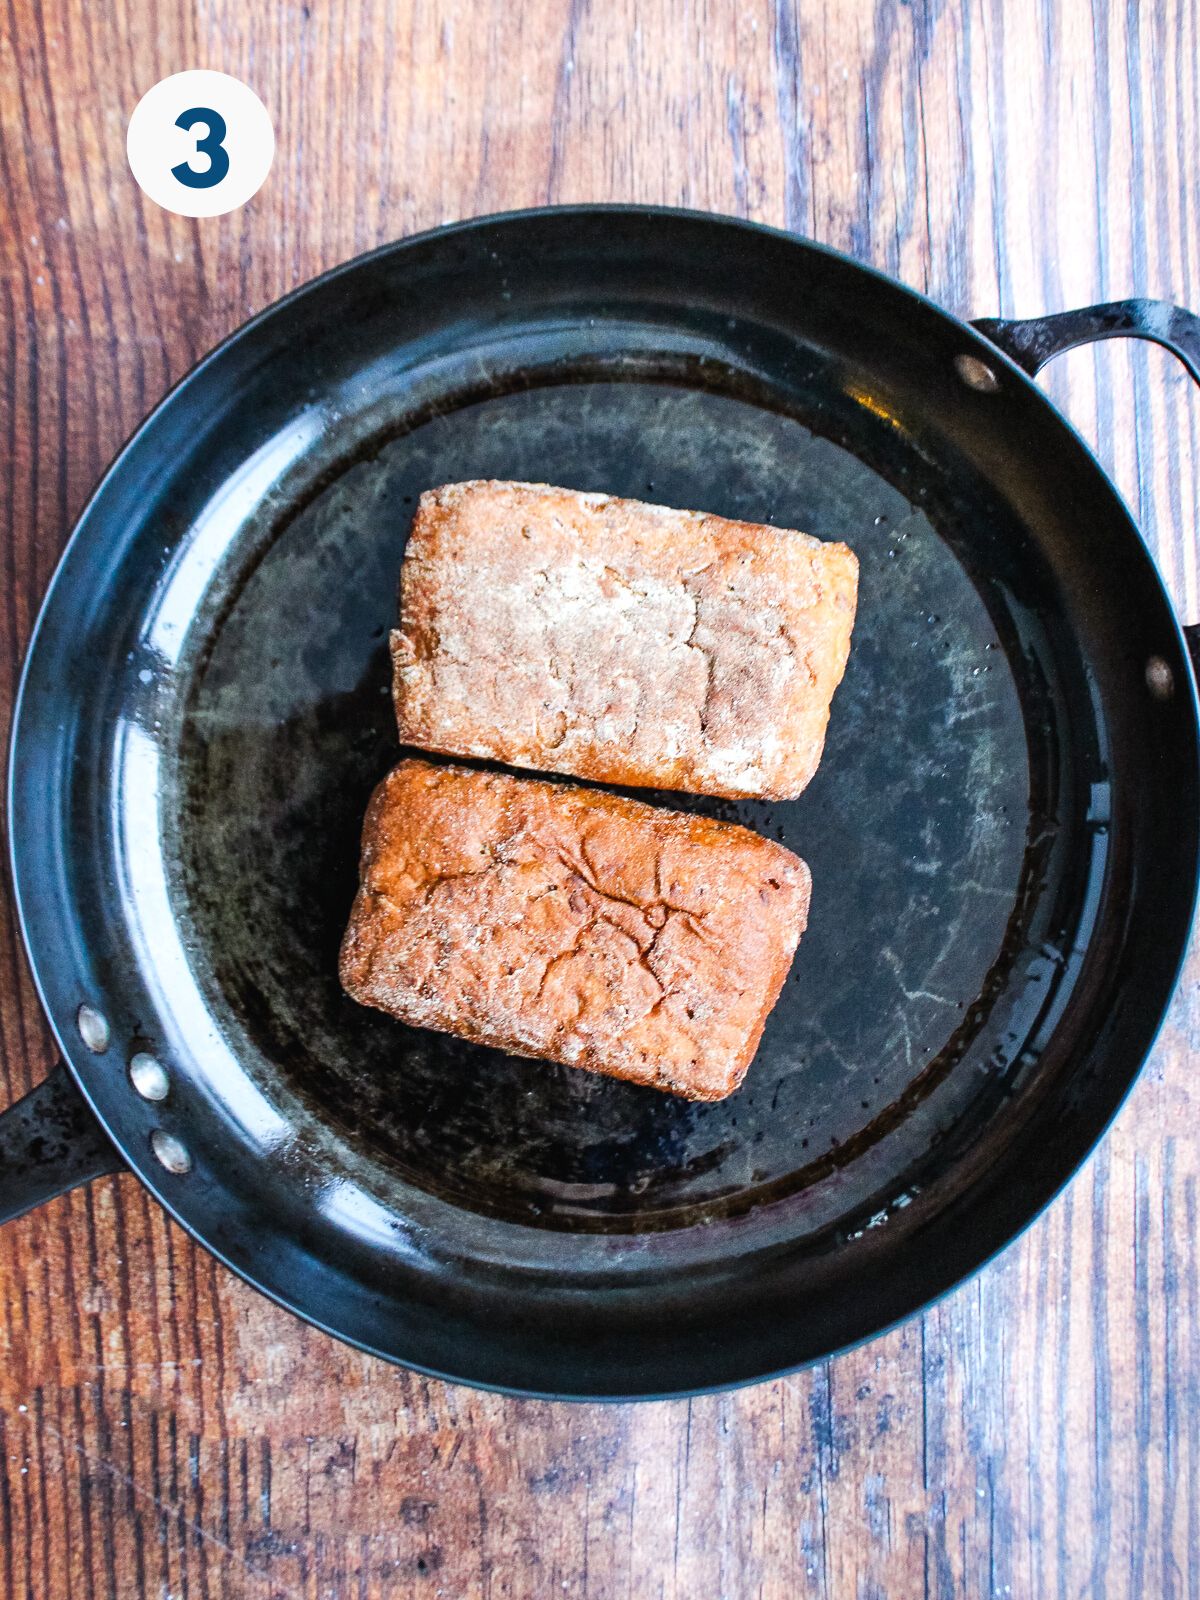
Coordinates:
<point>163,1431</point>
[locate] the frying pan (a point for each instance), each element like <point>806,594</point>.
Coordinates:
<point>1003,834</point>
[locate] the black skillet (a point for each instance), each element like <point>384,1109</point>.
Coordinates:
<point>1003,835</point>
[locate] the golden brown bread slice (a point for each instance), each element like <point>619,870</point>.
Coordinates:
<point>623,642</point>
<point>575,925</point>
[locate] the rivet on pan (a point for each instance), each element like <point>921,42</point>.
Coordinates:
<point>171,1152</point>
<point>93,1028</point>
<point>976,374</point>
<point>1160,680</point>
<point>149,1077</point>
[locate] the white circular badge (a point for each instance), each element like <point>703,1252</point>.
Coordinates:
<point>200,143</point>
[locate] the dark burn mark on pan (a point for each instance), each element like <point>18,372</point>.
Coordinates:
<point>931,828</point>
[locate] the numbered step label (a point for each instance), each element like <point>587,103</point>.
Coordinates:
<point>200,143</point>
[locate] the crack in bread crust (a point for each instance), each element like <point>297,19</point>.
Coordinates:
<point>574,925</point>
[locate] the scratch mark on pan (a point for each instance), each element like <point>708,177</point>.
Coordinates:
<point>893,961</point>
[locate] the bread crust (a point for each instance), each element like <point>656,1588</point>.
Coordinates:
<point>569,924</point>
<point>626,643</point>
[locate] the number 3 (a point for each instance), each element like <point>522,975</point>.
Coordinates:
<point>212,145</point>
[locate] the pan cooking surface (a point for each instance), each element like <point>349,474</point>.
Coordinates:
<point>917,829</point>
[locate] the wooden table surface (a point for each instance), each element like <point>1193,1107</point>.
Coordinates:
<point>163,1430</point>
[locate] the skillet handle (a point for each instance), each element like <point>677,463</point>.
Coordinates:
<point>1033,341</point>
<point>49,1142</point>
